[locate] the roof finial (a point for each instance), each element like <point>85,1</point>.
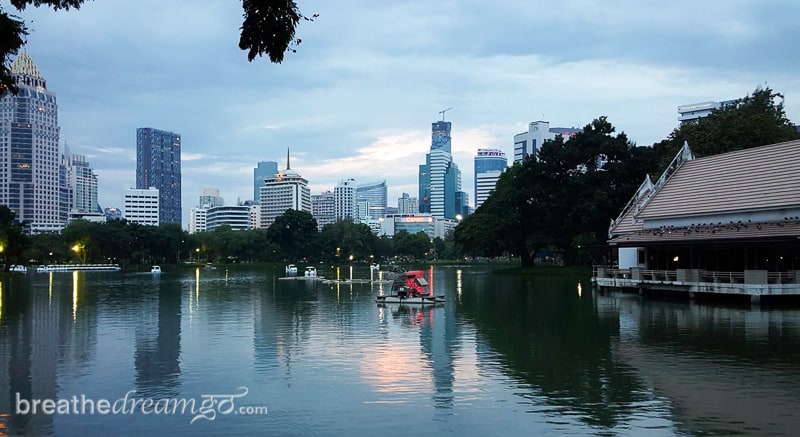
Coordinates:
<point>287,159</point>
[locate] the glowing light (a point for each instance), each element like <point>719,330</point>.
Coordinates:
<point>675,259</point>
<point>74,295</point>
<point>580,290</point>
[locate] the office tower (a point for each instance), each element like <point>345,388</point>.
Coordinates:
<point>158,165</point>
<point>375,195</point>
<point>142,206</point>
<point>439,177</point>
<point>265,170</point>
<point>322,208</point>
<point>527,144</point>
<point>83,184</point>
<point>235,216</point>
<point>284,191</point>
<point>32,178</point>
<point>695,111</point>
<point>489,164</point>
<point>407,205</point>
<point>344,195</point>
<point>211,198</point>
<point>198,219</point>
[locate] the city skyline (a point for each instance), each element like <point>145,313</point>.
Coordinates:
<point>357,98</point>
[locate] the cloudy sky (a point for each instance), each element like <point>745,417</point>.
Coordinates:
<point>358,98</point>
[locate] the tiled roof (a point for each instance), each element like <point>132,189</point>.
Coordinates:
<point>760,178</point>
<point>788,229</point>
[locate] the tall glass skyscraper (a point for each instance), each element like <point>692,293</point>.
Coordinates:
<point>439,177</point>
<point>158,165</point>
<point>375,195</point>
<point>32,177</point>
<point>489,165</point>
<point>265,170</point>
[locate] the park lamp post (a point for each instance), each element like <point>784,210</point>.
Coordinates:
<point>80,250</point>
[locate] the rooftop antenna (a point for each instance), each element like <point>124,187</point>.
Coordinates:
<point>442,112</point>
<point>287,159</point>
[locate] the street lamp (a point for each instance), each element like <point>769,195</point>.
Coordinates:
<point>79,250</point>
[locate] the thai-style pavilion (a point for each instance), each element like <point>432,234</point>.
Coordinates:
<point>728,223</point>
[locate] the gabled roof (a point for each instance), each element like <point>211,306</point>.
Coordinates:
<point>24,65</point>
<point>755,179</point>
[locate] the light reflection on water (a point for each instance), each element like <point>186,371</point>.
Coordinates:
<point>504,355</point>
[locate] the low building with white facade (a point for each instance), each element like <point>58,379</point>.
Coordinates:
<point>141,206</point>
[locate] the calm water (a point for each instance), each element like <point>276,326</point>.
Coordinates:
<point>506,355</point>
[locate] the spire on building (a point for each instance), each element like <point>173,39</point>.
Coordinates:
<point>287,159</point>
<point>24,65</point>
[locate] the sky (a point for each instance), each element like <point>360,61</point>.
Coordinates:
<point>358,97</point>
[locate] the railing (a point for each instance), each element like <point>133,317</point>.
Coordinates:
<point>602,272</point>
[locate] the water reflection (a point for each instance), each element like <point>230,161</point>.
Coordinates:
<point>158,343</point>
<point>36,325</point>
<point>721,368</point>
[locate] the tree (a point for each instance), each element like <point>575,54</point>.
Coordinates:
<point>295,232</point>
<point>268,27</point>
<point>13,241</point>
<point>754,120</point>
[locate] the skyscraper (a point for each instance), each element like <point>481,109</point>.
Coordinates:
<point>439,177</point>
<point>344,195</point>
<point>489,164</point>
<point>158,165</point>
<point>32,178</point>
<point>284,191</point>
<point>83,184</point>
<point>322,208</point>
<point>265,170</point>
<point>527,144</point>
<point>407,205</point>
<point>375,194</point>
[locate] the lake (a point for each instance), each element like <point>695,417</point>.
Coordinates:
<point>238,351</point>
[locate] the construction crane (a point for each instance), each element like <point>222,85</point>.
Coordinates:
<point>442,112</point>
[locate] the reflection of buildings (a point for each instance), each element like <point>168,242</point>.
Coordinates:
<point>42,334</point>
<point>282,328</point>
<point>158,345</point>
<point>723,370</point>
<point>439,341</point>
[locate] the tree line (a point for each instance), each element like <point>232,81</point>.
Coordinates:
<point>293,237</point>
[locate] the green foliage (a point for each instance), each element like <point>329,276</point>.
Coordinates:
<point>562,199</point>
<point>269,28</point>
<point>344,238</point>
<point>295,233</point>
<point>13,240</point>
<point>751,121</point>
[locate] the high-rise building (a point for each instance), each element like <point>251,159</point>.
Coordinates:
<point>527,144</point>
<point>197,219</point>
<point>323,208</point>
<point>211,198</point>
<point>375,194</point>
<point>32,177</point>
<point>142,206</point>
<point>83,185</point>
<point>439,177</point>
<point>158,165</point>
<point>284,191</point>
<point>695,111</point>
<point>489,164</point>
<point>344,195</point>
<point>407,205</point>
<point>265,170</point>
